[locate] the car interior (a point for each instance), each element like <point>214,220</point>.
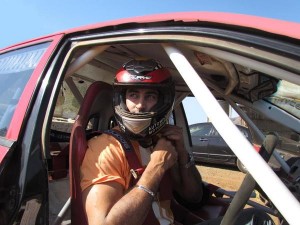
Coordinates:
<point>255,81</point>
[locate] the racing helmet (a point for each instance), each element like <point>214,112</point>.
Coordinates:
<point>147,73</point>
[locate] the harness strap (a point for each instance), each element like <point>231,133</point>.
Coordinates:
<point>132,159</point>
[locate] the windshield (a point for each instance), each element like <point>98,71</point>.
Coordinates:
<point>16,68</point>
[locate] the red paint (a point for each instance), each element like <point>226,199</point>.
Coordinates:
<point>3,151</point>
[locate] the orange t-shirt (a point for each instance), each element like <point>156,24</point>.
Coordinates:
<point>105,161</point>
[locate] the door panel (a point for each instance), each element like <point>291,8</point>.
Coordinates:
<point>23,173</point>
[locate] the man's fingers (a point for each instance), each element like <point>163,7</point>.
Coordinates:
<point>172,134</point>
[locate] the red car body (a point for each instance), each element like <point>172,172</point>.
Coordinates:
<point>23,143</point>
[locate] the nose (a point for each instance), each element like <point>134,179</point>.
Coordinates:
<point>140,105</point>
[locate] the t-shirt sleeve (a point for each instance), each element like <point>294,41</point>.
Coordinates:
<point>104,161</point>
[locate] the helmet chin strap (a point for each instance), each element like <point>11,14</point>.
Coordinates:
<point>149,141</point>
<point>146,142</point>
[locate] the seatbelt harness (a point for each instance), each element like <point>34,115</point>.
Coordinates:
<point>132,159</point>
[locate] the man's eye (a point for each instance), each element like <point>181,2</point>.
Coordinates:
<point>133,95</point>
<point>152,97</point>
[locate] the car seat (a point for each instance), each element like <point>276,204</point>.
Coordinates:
<point>95,113</point>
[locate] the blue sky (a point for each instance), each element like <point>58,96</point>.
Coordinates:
<point>25,19</point>
<point>21,20</point>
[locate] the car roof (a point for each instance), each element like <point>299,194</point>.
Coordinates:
<point>275,26</point>
<point>286,28</point>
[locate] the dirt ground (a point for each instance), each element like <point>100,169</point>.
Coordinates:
<point>228,178</point>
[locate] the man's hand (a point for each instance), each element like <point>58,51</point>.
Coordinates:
<point>164,153</point>
<point>174,134</point>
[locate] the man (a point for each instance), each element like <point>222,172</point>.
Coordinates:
<point>143,101</point>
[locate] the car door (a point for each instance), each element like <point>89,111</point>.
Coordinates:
<point>219,151</point>
<point>201,138</point>
<point>23,176</point>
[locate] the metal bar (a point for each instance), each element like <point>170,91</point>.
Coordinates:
<point>248,185</point>
<point>62,213</point>
<point>74,90</point>
<point>255,164</point>
<point>260,134</point>
<point>245,117</point>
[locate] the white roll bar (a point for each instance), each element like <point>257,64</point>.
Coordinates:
<point>283,199</point>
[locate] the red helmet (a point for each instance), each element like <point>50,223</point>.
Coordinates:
<point>143,74</point>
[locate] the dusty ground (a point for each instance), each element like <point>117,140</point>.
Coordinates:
<point>228,178</point>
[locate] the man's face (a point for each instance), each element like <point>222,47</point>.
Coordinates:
<point>141,99</point>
